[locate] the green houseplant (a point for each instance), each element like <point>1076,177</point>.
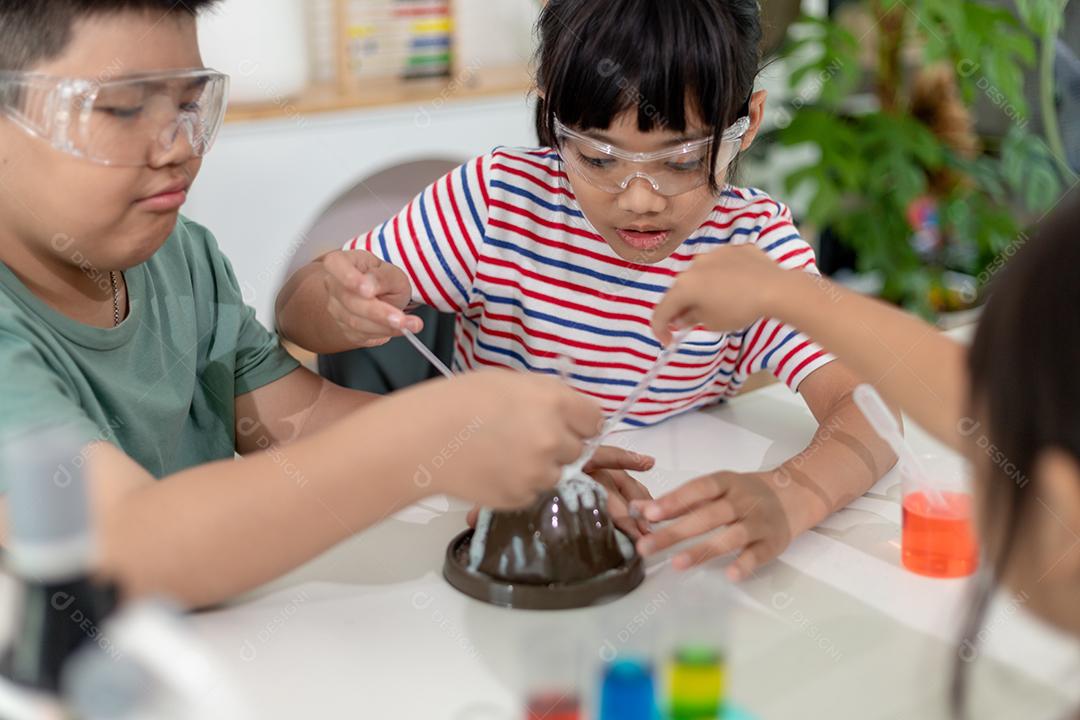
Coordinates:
<point>888,136</point>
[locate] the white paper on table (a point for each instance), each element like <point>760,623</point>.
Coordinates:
<point>698,443</point>
<point>844,520</point>
<point>425,511</point>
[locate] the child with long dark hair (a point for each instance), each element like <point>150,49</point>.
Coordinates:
<point>1010,402</point>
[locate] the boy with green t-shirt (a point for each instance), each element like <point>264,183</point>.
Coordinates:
<point>123,321</point>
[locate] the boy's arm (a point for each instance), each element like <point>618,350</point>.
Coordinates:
<point>208,533</point>
<point>915,367</point>
<point>212,532</point>
<point>294,407</point>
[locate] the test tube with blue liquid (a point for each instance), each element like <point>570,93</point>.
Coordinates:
<point>628,690</point>
<point>626,668</point>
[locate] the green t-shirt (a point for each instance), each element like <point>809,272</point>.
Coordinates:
<point>162,385</point>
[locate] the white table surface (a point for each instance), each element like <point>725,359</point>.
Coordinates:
<point>834,628</point>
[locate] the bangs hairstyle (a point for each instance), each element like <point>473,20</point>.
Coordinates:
<point>663,58</point>
<point>1025,390</point>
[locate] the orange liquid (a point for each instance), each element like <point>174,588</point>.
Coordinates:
<point>939,540</point>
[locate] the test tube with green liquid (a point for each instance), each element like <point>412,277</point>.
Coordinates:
<point>696,683</point>
<point>696,647</point>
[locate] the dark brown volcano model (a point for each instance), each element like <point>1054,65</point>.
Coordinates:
<point>564,551</point>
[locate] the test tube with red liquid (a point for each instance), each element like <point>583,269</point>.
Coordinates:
<point>553,706</point>
<point>550,674</point>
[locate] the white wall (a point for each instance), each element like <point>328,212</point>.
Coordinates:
<point>495,33</point>
<point>265,184</point>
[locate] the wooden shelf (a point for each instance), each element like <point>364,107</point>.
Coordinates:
<point>376,93</point>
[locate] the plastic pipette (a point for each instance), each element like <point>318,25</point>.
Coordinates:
<point>640,389</point>
<point>881,419</point>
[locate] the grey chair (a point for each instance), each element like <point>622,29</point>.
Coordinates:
<point>396,365</point>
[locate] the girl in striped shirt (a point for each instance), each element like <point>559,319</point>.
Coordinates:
<point>565,250</point>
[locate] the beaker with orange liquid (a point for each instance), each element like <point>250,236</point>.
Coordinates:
<point>938,536</point>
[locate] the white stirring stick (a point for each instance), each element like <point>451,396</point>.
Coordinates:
<point>613,422</point>
<point>422,348</point>
<point>881,419</point>
<point>431,358</point>
<point>640,389</point>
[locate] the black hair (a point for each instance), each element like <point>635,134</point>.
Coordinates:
<point>1025,390</point>
<point>600,58</point>
<point>36,31</point>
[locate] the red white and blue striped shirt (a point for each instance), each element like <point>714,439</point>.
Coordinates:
<point>502,242</point>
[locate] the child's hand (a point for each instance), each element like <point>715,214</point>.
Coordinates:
<point>751,514</point>
<point>724,290</point>
<point>502,437</point>
<point>608,467</point>
<point>367,296</point>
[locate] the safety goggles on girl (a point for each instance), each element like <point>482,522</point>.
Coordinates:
<point>124,122</point>
<point>670,172</point>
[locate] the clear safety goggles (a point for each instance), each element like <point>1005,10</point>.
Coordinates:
<point>670,172</point>
<point>122,122</point>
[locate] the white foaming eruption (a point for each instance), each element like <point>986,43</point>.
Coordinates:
<point>479,539</point>
<point>577,491</point>
<point>581,491</point>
